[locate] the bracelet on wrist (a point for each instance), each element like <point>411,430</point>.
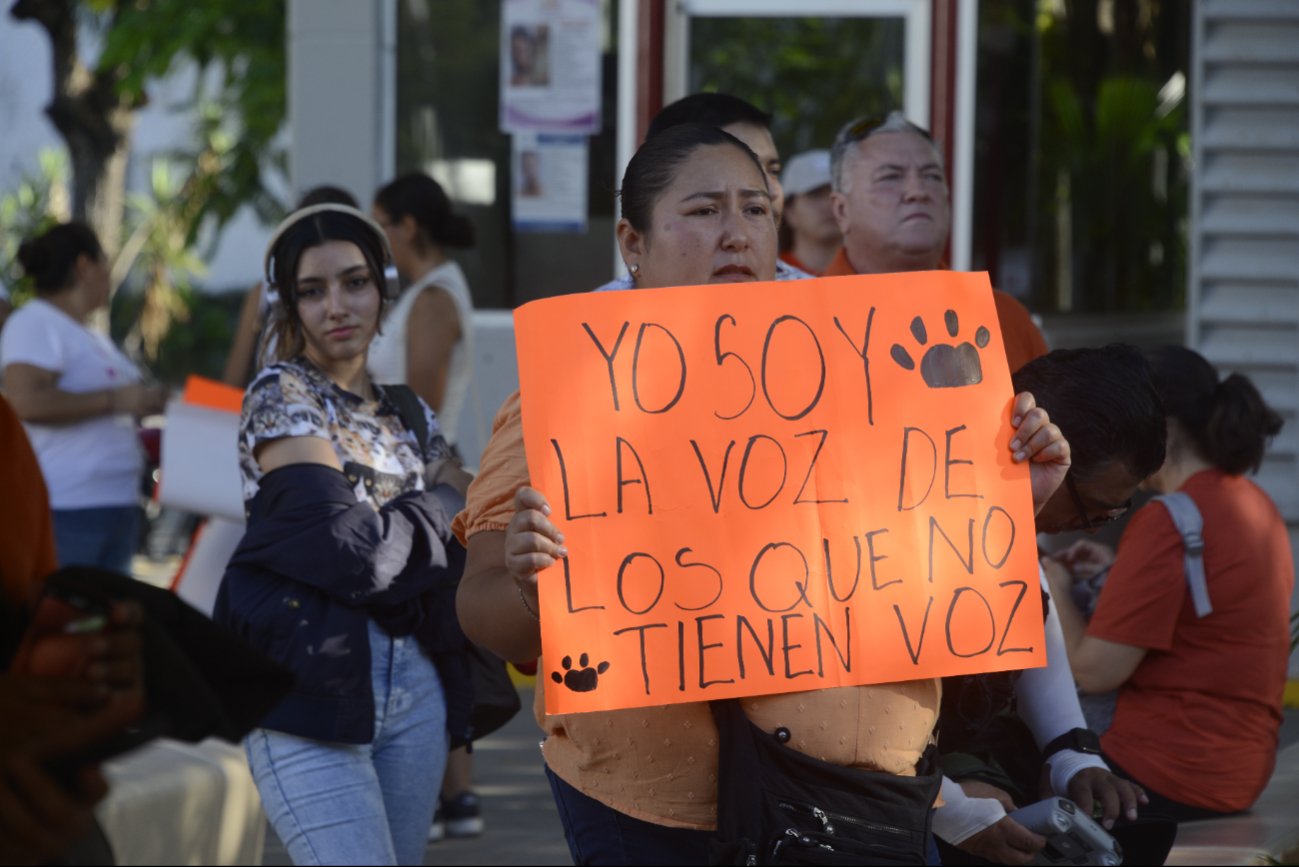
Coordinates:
<point>523,597</point>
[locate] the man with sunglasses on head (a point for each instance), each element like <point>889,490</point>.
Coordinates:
<point>1011,738</point>
<point>892,203</point>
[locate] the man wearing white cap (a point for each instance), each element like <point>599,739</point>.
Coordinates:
<point>809,234</point>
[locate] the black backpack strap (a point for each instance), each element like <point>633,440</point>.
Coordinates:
<point>411,410</point>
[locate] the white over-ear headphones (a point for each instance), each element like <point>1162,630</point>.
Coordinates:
<point>391,284</point>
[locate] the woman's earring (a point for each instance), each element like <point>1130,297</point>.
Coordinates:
<point>635,269</point>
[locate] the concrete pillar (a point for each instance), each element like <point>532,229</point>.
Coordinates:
<point>342,94</point>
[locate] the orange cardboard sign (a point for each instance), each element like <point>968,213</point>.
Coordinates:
<point>776,487</point>
<point>200,391</point>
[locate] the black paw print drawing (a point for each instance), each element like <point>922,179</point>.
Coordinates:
<point>583,679</point>
<point>945,365</point>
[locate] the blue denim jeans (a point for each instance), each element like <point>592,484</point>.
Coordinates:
<point>103,537</point>
<point>362,804</point>
<point>598,834</point>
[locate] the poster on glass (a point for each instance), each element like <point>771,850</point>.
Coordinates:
<point>550,183</point>
<point>550,66</point>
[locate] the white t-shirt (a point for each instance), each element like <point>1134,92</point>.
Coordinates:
<point>91,463</point>
<point>387,358</point>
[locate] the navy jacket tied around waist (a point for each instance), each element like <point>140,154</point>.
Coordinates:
<point>314,567</point>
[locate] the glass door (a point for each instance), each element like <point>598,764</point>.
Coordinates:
<point>815,64</point>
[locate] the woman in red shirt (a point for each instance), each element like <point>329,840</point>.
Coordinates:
<point>1199,694</point>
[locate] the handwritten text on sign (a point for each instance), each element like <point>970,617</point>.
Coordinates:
<point>776,487</point>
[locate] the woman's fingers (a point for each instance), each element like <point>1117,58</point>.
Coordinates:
<point>533,520</point>
<point>1030,427</point>
<point>115,658</point>
<point>526,498</point>
<point>524,543</point>
<point>1024,403</point>
<point>524,567</point>
<point>1048,444</point>
<point>532,542</point>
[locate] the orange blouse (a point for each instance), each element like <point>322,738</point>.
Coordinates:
<point>659,764</point>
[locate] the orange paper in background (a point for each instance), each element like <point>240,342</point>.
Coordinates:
<point>200,391</point>
<point>776,487</point>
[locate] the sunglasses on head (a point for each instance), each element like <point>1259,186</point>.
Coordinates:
<point>865,127</point>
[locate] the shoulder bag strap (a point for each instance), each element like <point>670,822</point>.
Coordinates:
<point>1190,525</point>
<point>410,409</point>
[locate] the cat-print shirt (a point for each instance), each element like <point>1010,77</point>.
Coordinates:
<point>379,453</point>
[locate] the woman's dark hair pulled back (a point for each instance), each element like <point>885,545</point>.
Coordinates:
<point>655,164</point>
<point>417,195</point>
<point>1226,419</point>
<point>309,232</point>
<point>50,258</point>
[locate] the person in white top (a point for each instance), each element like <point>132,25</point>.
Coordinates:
<point>427,338</point>
<point>78,397</point>
<point>427,343</point>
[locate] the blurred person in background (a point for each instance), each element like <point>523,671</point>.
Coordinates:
<point>47,718</point>
<point>79,397</point>
<point>809,234</point>
<point>1199,684</point>
<point>427,343</point>
<point>427,338</point>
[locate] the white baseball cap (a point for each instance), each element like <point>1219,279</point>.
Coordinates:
<point>806,172</point>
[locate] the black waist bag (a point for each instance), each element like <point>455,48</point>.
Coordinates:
<point>776,805</point>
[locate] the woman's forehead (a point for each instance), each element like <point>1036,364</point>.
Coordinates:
<point>715,168</point>
<point>329,257</point>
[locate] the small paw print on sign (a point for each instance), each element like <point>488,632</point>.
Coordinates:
<point>945,365</point>
<point>581,679</point>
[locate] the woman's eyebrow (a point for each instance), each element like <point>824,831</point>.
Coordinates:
<point>719,195</point>
<point>346,272</point>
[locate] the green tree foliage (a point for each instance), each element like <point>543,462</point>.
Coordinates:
<point>38,202</point>
<point>813,74</point>
<point>1114,152</point>
<point>235,49</point>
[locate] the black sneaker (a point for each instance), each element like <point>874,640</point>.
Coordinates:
<point>463,815</point>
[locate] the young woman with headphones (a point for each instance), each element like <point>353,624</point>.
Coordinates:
<point>346,574</point>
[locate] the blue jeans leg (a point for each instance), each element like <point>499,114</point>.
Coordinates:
<point>410,746</point>
<point>103,537</point>
<point>369,803</point>
<point>598,834</point>
<point>322,799</point>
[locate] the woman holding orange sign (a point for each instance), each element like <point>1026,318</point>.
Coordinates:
<point>640,786</point>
